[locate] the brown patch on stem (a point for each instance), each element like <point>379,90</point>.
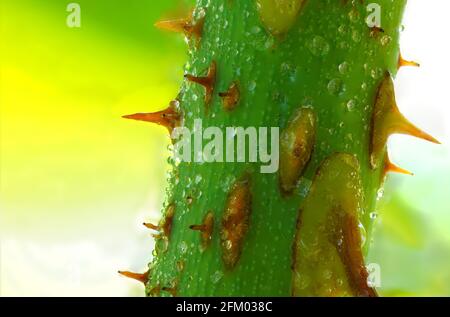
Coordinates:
<point>166,225</point>
<point>327,251</point>
<point>296,146</point>
<point>376,31</point>
<point>208,81</point>
<point>235,221</point>
<point>346,231</point>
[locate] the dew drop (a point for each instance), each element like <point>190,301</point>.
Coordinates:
<point>353,15</point>
<point>351,104</point>
<point>380,193</point>
<point>183,247</point>
<point>335,86</point>
<point>216,277</point>
<point>363,234</point>
<point>343,68</point>
<point>385,40</point>
<point>356,36</point>
<point>319,46</point>
<point>255,29</point>
<point>376,73</point>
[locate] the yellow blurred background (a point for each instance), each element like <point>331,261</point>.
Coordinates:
<point>77,181</point>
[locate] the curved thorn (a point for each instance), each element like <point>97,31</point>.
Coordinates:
<point>403,62</point>
<point>151,226</point>
<point>390,167</point>
<point>141,277</point>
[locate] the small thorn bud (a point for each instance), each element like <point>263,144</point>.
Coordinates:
<point>167,222</point>
<point>230,97</point>
<point>200,228</point>
<point>375,31</point>
<point>206,229</point>
<point>207,81</point>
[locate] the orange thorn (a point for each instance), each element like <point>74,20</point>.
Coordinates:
<point>151,226</point>
<point>176,25</point>
<point>168,118</point>
<point>186,26</point>
<point>406,127</point>
<point>387,120</point>
<point>208,81</point>
<point>390,167</point>
<point>141,277</point>
<point>230,97</point>
<point>402,62</point>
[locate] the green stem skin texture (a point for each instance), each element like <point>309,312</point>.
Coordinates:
<point>261,240</point>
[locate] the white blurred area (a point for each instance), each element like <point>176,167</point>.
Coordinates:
<point>67,265</point>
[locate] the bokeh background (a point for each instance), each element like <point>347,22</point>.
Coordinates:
<point>77,181</point>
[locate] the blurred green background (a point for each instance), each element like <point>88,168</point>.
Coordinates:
<point>77,181</point>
